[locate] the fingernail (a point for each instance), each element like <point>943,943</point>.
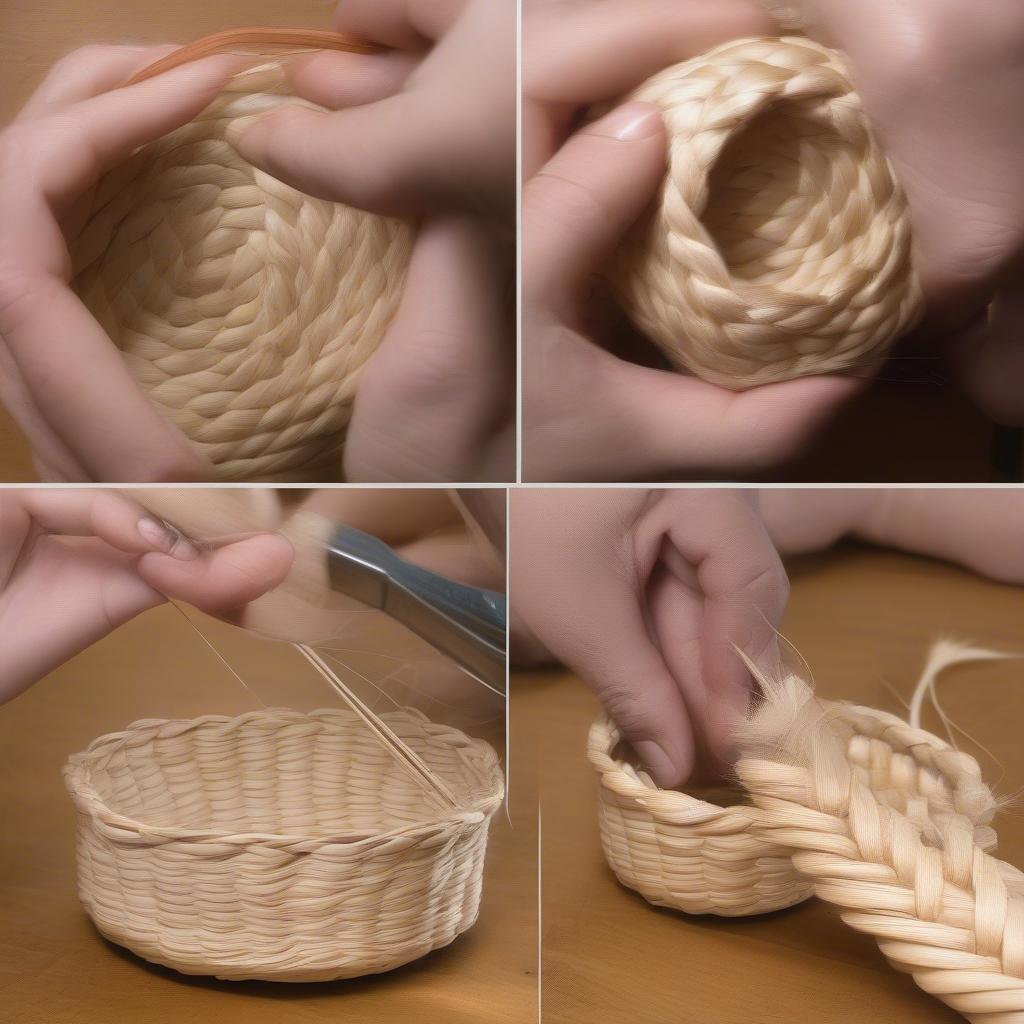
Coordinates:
<point>656,761</point>
<point>630,121</point>
<point>165,538</point>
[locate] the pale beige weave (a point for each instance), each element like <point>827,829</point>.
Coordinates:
<point>681,851</point>
<point>244,308</point>
<point>883,819</point>
<point>779,244</point>
<point>281,845</point>
<point>897,836</point>
<point>706,856</point>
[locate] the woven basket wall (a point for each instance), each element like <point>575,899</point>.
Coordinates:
<point>244,308</point>
<point>702,857</point>
<point>280,845</point>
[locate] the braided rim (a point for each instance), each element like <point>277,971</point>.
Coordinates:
<point>477,755</point>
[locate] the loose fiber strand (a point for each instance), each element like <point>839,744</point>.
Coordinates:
<point>407,757</point>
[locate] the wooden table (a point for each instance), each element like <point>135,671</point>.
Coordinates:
<point>863,619</point>
<point>56,969</point>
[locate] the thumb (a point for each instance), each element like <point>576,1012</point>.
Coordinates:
<point>577,208</point>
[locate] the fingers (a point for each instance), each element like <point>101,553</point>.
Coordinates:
<point>745,590</point>
<point>335,79</point>
<point>107,515</point>
<point>359,156</point>
<point>446,142</point>
<point>582,203</point>
<point>440,388</point>
<point>689,424</point>
<point>598,417</point>
<point>405,24</point>
<point>81,386</point>
<point>588,52</point>
<point>89,71</point>
<point>97,133</point>
<point>580,592</point>
<point>224,580</point>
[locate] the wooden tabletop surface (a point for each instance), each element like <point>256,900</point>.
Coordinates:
<point>863,619</point>
<point>54,966</point>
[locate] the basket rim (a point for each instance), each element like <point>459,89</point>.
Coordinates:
<point>129,830</point>
<point>622,779</point>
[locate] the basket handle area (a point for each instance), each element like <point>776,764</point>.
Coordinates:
<point>256,41</point>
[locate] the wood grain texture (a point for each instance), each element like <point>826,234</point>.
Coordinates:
<point>863,620</point>
<point>56,969</point>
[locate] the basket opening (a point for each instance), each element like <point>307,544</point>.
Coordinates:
<point>772,188</point>
<point>721,794</point>
<point>320,775</point>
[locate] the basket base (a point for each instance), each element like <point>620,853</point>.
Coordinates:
<point>294,966</point>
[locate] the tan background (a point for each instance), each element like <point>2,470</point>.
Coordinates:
<point>56,969</point>
<point>862,619</point>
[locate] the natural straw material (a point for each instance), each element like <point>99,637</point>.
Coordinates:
<point>712,857</point>
<point>678,850</point>
<point>245,309</point>
<point>280,845</point>
<point>896,836</point>
<point>779,244</point>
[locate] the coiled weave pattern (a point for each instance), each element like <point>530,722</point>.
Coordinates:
<point>244,308</point>
<point>779,245</point>
<point>280,845</point>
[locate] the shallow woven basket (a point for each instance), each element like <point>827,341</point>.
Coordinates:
<point>779,244</point>
<point>245,309</point>
<point>678,850</point>
<point>280,845</point>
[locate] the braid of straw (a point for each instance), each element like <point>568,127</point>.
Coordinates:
<point>896,836</point>
<point>245,309</point>
<point>681,851</point>
<point>780,244</point>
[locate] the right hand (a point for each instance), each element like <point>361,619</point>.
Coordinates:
<point>943,83</point>
<point>647,594</point>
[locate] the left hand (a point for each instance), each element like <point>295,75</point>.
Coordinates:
<point>61,377</point>
<point>76,564</point>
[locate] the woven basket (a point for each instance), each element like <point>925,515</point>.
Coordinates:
<point>779,245</point>
<point>244,308</point>
<point>701,857</point>
<point>280,845</point>
<point>683,852</point>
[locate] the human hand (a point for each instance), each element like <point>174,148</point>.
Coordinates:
<point>979,529</point>
<point>577,53</point>
<point>589,415</point>
<point>424,130</point>
<point>944,86</point>
<point>76,564</point>
<point>61,378</point>
<point>646,594</point>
